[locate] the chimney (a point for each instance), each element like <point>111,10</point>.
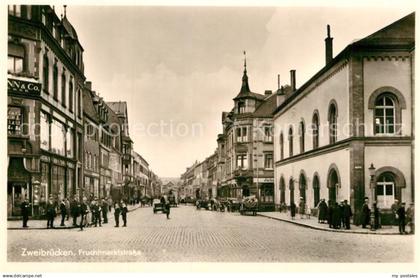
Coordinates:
<point>88,85</point>
<point>328,46</point>
<point>293,80</point>
<point>268,92</point>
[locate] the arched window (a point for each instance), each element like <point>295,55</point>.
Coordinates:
<point>290,142</point>
<point>332,122</point>
<point>55,82</point>
<point>385,190</point>
<point>292,190</point>
<point>281,146</point>
<point>282,191</point>
<point>46,74</point>
<point>315,131</point>
<point>302,186</point>
<point>385,114</point>
<point>63,89</point>
<point>302,136</point>
<point>315,185</point>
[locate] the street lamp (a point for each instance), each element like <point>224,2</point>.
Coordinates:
<point>372,191</point>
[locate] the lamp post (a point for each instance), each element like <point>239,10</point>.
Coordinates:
<point>372,191</point>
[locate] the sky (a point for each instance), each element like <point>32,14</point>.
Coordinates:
<point>178,68</point>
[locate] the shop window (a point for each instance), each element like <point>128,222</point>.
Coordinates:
<point>14,120</point>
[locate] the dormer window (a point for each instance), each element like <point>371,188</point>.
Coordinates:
<point>241,107</point>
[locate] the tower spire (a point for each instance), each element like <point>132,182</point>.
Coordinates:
<point>245,86</point>
<point>65,7</point>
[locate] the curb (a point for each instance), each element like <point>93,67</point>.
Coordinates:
<point>55,228</point>
<point>327,229</point>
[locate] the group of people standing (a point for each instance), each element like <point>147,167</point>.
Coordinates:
<point>86,213</point>
<point>337,215</point>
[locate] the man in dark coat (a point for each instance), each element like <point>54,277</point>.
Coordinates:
<point>104,205</point>
<point>124,211</point>
<point>25,209</point>
<point>96,212</point>
<point>365,213</point>
<point>347,214</point>
<point>292,210</point>
<point>83,213</point>
<point>74,210</point>
<point>376,216</point>
<point>330,214</point>
<point>63,211</point>
<point>336,216</point>
<point>323,211</point>
<point>117,211</point>
<point>50,213</point>
<point>341,223</point>
<point>395,206</point>
<point>167,209</point>
<point>401,218</point>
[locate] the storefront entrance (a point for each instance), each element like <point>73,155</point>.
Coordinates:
<point>17,186</point>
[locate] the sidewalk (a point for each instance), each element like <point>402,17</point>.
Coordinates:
<point>42,224</point>
<point>312,223</point>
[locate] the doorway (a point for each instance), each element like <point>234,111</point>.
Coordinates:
<point>16,194</point>
<point>333,183</point>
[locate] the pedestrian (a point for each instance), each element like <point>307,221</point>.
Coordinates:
<point>394,207</point>
<point>117,211</point>
<point>124,211</point>
<point>330,214</point>
<point>292,210</point>
<point>109,201</point>
<point>323,211</point>
<point>365,213</point>
<point>347,213</point>
<point>410,217</point>
<point>51,213</point>
<point>376,216</point>
<point>401,218</point>
<point>167,209</point>
<point>84,211</point>
<point>301,207</point>
<point>97,212</point>
<point>67,209</point>
<point>341,208</point>
<point>104,205</point>
<point>336,216</point>
<point>25,209</point>
<point>74,210</point>
<point>63,212</point>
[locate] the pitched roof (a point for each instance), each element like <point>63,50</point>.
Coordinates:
<point>119,107</point>
<point>88,107</point>
<point>69,28</point>
<point>397,35</point>
<point>266,108</point>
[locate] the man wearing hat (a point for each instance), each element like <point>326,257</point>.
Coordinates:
<point>394,207</point>
<point>401,218</point>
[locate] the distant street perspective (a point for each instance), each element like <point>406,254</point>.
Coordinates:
<point>204,236</point>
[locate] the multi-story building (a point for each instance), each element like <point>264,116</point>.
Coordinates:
<point>45,126</point>
<point>211,187</point>
<point>141,175</point>
<point>348,132</point>
<point>245,149</point>
<point>120,109</point>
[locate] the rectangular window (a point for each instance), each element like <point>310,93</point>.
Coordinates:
<point>14,10</point>
<point>70,143</point>
<point>45,131</point>
<point>242,161</point>
<point>14,120</point>
<point>63,89</point>
<point>14,64</point>
<point>268,134</point>
<point>58,134</point>
<point>268,161</point>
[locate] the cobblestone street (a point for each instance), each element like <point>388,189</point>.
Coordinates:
<point>199,235</point>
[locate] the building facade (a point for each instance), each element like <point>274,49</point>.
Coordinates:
<point>348,132</point>
<point>45,125</point>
